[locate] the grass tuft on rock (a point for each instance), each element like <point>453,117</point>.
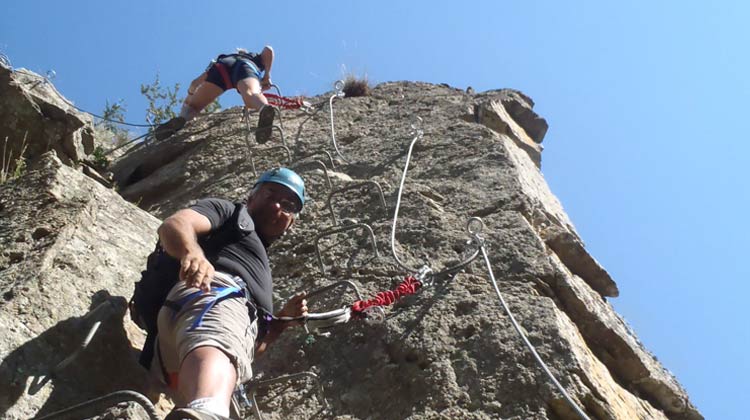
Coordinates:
<point>355,86</point>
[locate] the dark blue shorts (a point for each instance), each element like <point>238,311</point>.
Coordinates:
<point>237,69</point>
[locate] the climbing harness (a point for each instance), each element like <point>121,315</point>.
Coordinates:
<point>476,232</point>
<point>93,407</point>
<point>218,292</point>
<point>224,75</point>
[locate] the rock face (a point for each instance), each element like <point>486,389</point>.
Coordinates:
<point>35,118</point>
<point>68,246</point>
<point>448,352</point>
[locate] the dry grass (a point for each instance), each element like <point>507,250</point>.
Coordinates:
<point>355,86</point>
<point>8,172</point>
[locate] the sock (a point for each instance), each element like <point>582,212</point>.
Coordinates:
<point>187,112</point>
<point>210,404</point>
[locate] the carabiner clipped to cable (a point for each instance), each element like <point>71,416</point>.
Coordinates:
<point>374,315</point>
<point>423,276</point>
<point>416,126</point>
<point>338,88</point>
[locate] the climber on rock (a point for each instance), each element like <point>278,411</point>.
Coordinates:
<point>240,70</point>
<point>217,316</point>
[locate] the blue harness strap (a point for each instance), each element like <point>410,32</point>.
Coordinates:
<point>221,293</point>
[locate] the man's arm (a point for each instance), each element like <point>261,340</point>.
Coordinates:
<point>295,307</point>
<point>179,238</point>
<point>267,56</point>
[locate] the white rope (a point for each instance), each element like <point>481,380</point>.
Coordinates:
<point>513,321</point>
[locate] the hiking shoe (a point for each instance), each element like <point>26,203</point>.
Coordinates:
<point>193,414</point>
<point>265,124</point>
<point>165,131</point>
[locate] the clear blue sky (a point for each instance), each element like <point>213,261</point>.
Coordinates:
<point>646,149</point>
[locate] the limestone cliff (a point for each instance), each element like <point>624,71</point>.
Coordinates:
<point>34,117</point>
<point>448,352</point>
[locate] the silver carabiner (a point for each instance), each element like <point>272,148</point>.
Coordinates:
<point>475,226</point>
<point>338,88</point>
<point>416,126</point>
<point>374,315</point>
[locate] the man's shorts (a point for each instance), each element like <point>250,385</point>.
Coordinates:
<point>230,326</point>
<point>237,69</point>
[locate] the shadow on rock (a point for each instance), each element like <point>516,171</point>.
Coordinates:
<point>57,359</point>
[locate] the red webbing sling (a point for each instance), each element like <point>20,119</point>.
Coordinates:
<point>224,75</point>
<point>409,286</point>
<point>283,102</point>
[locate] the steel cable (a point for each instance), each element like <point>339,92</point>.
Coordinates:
<point>105,401</point>
<point>419,133</point>
<point>480,242</point>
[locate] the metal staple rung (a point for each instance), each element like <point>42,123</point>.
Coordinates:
<point>280,130</point>
<point>352,186</point>
<point>254,386</point>
<point>251,130</point>
<point>275,86</point>
<point>346,283</point>
<point>109,400</point>
<point>39,382</point>
<point>339,230</point>
<point>284,148</point>
<point>321,165</point>
<point>339,93</point>
<point>322,152</point>
<point>278,110</point>
<point>299,129</point>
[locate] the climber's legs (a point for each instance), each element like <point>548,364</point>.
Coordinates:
<point>208,376</point>
<point>252,96</point>
<point>204,95</point>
